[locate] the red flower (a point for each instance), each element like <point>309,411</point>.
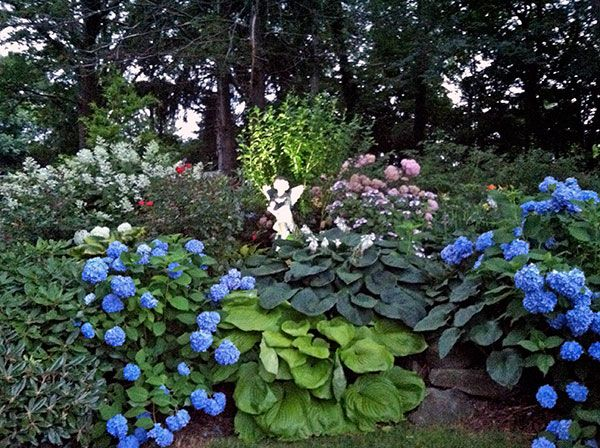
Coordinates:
<point>253,236</point>
<point>180,169</point>
<point>149,203</point>
<point>141,203</point>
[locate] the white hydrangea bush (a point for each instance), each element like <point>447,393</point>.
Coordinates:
<point>100,186</point>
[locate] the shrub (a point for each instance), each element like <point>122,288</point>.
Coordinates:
<point>54,383</point>
<point>149,314</point>
<point>341,273</point>
<point>526,297</point>
<point>206,206</point>
<point>301,140</point>
<point>370,197</point>
<point>95,187</point>
<point>308,376</point>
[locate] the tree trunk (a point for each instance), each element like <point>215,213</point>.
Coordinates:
<point>88,84</point>
<point>420,121</point>
<point>348,85</point>
<point>257,75</point>
<point>224,130</point>
<point>531,106</point>
<point>315,53</point>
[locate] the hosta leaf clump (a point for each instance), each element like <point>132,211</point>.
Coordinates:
<point>310,376</point>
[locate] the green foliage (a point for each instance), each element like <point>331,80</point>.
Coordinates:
<point>300,140</point>
<point>54,383</point>
<point>305,376</point>
<point>343,274</point>
<point>123,114</point>
<point>199,204</point>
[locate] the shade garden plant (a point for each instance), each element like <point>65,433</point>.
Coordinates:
<point>528,295</point>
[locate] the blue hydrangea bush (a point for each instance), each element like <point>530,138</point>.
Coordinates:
<point>152,310</point>
<point>528,294</point>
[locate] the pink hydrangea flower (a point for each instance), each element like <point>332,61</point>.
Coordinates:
<point>377,184</point>
<point>432,205</point>
<point>392,173</point>
<point>393,192</point>
<point>410,167</point>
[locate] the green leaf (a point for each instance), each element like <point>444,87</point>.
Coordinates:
<point>398,339</point>
<point>368,258</point>
<point>317,348</point>
<point>246,428</point>
<point>486,333</point>
<point>372,399</point>
<point>580,233</point>
<point>299,328</point>
<point>468,288</point>
<point>529,345</point>
<point>363,300</point>
<point>380,281</point>
<point>395,260</point>
<point>312,374</point>
<point>275,294</point>
<point>338,330</point>
<point>179,302</point>
<point>137,394</point>
<point>276,339</point>
<point>410,386</point>
<point>253,395</point>
<point>366,355</point>
<point>288,418</point>
<point>399,303</point>
<point>590,416</point>
<point>437,317</point>
<point>413,275</point>
<point>448,339</point>
<point>348,277</point>
<point>252,317</point>
<point>356,315</point>
<point>292,356</point>
<point>505,367</point>
<point>307,302</point>
<point>268,357</point>
<point>267,269</point>
<point>542,361</point>
<point>464,315</point>
<point>299,271</point>
<point>338,382</point>
<point>159,328</point>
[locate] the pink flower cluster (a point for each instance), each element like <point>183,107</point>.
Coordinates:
<point>362,200</point>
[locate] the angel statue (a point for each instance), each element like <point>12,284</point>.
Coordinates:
<point>281,199</point>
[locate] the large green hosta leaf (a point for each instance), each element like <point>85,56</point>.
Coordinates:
<point>398,339</point>
<point>288,419</point>
<point>411,387</point>
<point>253,395</point>
<point>372,399</point>
<point>312,374</point>
<point>366,355</point>
<point>251,317</point>
<point>317,348</point>
<point>246,427</point>
<point>338,330</point>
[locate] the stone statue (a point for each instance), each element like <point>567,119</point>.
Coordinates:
<point>281,199</point>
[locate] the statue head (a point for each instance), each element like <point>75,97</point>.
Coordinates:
<point>281,186</point>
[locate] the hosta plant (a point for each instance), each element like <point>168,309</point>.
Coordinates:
<point>301,376</point>
<point>148,312</point>
<point>341,273</point>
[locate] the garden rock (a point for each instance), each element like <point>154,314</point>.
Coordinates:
<point>459,358</point>
<point>473,382</point>
<point>443,407</point>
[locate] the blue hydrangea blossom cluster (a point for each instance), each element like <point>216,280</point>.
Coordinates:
<point>124,292</point>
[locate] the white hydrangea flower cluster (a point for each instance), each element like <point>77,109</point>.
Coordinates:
<point>104,182</point>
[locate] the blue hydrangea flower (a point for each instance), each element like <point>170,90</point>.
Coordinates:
<point>584,298</point>
<point>115,337</point>
<point>89,299</point>
<point>215,405</point>
<point>542,442</point>
<point>165,389</point>
<point>579,319</point>
<point>590,443</point>
<point>456,252</point>
<point>117,426</point>
<point>199,398</point>
<point>550,243</point>
<point>158,244</point>
<point>118,266</point>
<point>234,273</point>
<point>518,232</point>
<point>558,322</point>
<point>594,351</point>
<point>131,372</point>
<point>231,283</point>
<point>208,320</point>
<point>178,421</point>
<point>227,353</point>
<point>571,351</point>
<point>162,436</point>
<point>595,325</point>
<point>148,301</point>
<point>247,283</point>
<point>87,331</point>
<point>144,414</point>
<point>94,271</point>
<point>112,304</point>
<point>183,369</point>
<point>200,341</point>
<point>546,396</point>
<point>144,260</point>
<point>540,302</point>
<point>129,442</point>
<point>174,273</point>
<point>514,249</point>
<point>141,434</point>
<point>195,247</point>
<point>484,241</point>
<point>218,292</point>
<point>158,252</point>
<point>577,392</point>
<point>143,249</point>
<point>548,181</point>
<point>478,262</point>
<point>528,278</point>
<point>115,249</point>
<point>122,286</point>
<point>568,284</point>
<point>560,428</point>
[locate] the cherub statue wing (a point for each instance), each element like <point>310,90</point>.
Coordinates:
<point>265,189</point>
<point>295,193</point>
